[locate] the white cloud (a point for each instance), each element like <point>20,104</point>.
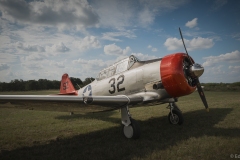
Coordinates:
<point>234,67</point>
<point>121,14</point>
<point>143,57</point>
<point>90,42</point>
<point>57,64</point>
<point>8,58</point>
<point>236,36</point>
<point>152,49</point>
<point>111,36</point>
<point>194,44</point>
<point>114,13</point>
<point>113,49</point>
<point>4,67</point>
<point>93,62</point>
<point>50,13</point>
<point>30,48</point>
<point>218,4</point>
<point>32,66</point>
<point>215,70</point>
<point>228,57</point>
<point>192,23</point>
<point>58,48</point>
<point>146,17</point>
<point>34,57</point>
<point>234,70</point>
<point>91,67</point>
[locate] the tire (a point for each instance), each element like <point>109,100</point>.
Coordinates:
<point>132,131</point>
<point>178,117</point>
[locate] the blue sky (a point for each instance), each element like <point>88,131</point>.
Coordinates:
<point>45,39</point>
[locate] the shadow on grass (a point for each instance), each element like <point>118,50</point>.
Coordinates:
<point>111,144</point>
<point>103,116</point>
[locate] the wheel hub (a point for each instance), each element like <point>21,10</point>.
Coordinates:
<point>174,118</point>
<point>128,131</point>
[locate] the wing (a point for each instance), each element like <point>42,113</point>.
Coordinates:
<point>111,101</point>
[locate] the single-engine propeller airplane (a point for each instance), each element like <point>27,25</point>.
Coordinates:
<point>131,81</point>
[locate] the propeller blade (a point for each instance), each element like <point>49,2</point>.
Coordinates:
<point>185,46</point>
<point>202,96</point>
<point>199,88</point>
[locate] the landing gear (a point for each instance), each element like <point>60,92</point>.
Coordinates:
<point>131,129</point>
<point>175,116</point>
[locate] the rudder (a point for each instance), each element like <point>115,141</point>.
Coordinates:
<point>66,87</point>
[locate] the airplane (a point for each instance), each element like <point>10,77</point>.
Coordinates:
<point>131,81</point>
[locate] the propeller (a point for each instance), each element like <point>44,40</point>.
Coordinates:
<point>197,71</point>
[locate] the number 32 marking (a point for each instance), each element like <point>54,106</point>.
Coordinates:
<point>120,80</point>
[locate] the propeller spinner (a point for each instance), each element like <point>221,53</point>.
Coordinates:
<point>196,71</point>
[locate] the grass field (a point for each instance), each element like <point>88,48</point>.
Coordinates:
<point>35,134</point>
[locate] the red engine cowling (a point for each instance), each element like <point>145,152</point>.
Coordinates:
<point>172,74</point>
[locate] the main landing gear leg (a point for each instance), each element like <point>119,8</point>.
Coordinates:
<point>175,115</point>
<point>131,128</point>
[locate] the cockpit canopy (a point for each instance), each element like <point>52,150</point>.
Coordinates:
<point>118,67</point>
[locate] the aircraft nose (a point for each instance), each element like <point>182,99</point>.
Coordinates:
<point>197,69</point>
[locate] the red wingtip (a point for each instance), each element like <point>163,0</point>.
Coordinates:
<point>66,87</point>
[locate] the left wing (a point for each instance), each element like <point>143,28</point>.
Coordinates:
<point>113,101</point>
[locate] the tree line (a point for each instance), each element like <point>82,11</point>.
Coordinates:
<point>41,84</point>
<point>221,86</point>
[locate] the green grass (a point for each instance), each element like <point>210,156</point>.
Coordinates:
<point>35,134</point>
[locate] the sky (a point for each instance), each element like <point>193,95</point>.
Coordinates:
<point>47,38</point>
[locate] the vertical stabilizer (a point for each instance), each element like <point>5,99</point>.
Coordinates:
<point>66,87</point>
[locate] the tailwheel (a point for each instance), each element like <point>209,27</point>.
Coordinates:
<point>175,117</point>
<point>132,131</point>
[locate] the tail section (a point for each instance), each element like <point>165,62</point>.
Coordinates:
<point>67,87</point>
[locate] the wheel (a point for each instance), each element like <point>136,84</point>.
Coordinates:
<point>132,131</point>
<point>177,117</point>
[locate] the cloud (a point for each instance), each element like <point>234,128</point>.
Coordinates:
<point>30,48</point>
<point>218,4</point>
<point>48,12</point>
<point>113,49</point>
<point>146,17</point>
<point>228,57</point>
<point>236,36</point>
<point>153,49</point>
<point>32,66</point>
<point>90,42</point>
<point>91,66</point>
<point>4,67</point>
<point>234,67</point>
<point>57,64</point>
<point>111,36</point>
<point>58,48</point>
<point>35,57</point>
<point>121,14</point>
<point>143,57</point>
<point>192,23</point>
<point>216,70</point>
<point>113,13</point>
<point>36,48</point>
<point>194,44</point>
